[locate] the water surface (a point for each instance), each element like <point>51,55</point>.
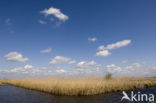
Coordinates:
<point>11,94</point>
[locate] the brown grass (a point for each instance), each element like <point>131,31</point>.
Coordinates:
<point>82,86</point>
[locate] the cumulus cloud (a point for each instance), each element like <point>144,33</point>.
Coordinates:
<point>72,62</point>
<point>59,59</point>
<point>132,70</point>
<point>28,66</point>
<point>101,47</point>
<point>16,57</point>
<point>55,12</point>
<point>92,39</point>
<point>20,72</point>
<point>25,71</point>
<point>115,45</point>
<point>133,66</point>
<point>46,50</point>
<point>60,71</point>
<point>42,22</point>
<point>84,64</point>
<point>118,44</point>
<point>136,65</point>
<point>82,69</point>
<point>113,68</point>
<point>103,53</point>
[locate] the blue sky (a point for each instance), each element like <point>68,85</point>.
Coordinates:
<point>73,30</point>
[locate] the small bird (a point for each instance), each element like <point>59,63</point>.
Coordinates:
<point>125,96</point>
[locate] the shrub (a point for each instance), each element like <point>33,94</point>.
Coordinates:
<point>108,76</point>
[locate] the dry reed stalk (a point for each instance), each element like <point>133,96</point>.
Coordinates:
<point>82,86</point>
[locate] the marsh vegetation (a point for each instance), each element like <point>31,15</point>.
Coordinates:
<point>81,86</point>
<point>0,82</point>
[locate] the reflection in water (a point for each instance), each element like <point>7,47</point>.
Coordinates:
<point>11,94</point>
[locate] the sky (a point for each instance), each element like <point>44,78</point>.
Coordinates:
<point>76,38</point>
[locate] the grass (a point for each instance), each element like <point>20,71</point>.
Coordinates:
<point>81,86</point>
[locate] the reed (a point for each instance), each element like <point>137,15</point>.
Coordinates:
<point>82,86</point>
<point>0,82</point>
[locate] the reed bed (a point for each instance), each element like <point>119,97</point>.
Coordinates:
<point>0,82</point>
<point>81,86</point>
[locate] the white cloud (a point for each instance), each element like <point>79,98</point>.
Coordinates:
<point>46,50</point>
<point>28,66</point>
<point>15,56</point>
<point>60,71</point>
<point>59,59</point>
<point>72,62</point>
<point>84,64</point>
<point>133,66</point>
<point>42,22</point>
<point>25,71</point>
<point>103,53</point>
<point>110,66</point>
<point>113,68</point>
<point>84,69</point>
<point>116,45</point>
<point>92,39</point>
<point>101,47</point>
<point>56,12</point>
<point>132,70</point>
<point>136,65</point>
